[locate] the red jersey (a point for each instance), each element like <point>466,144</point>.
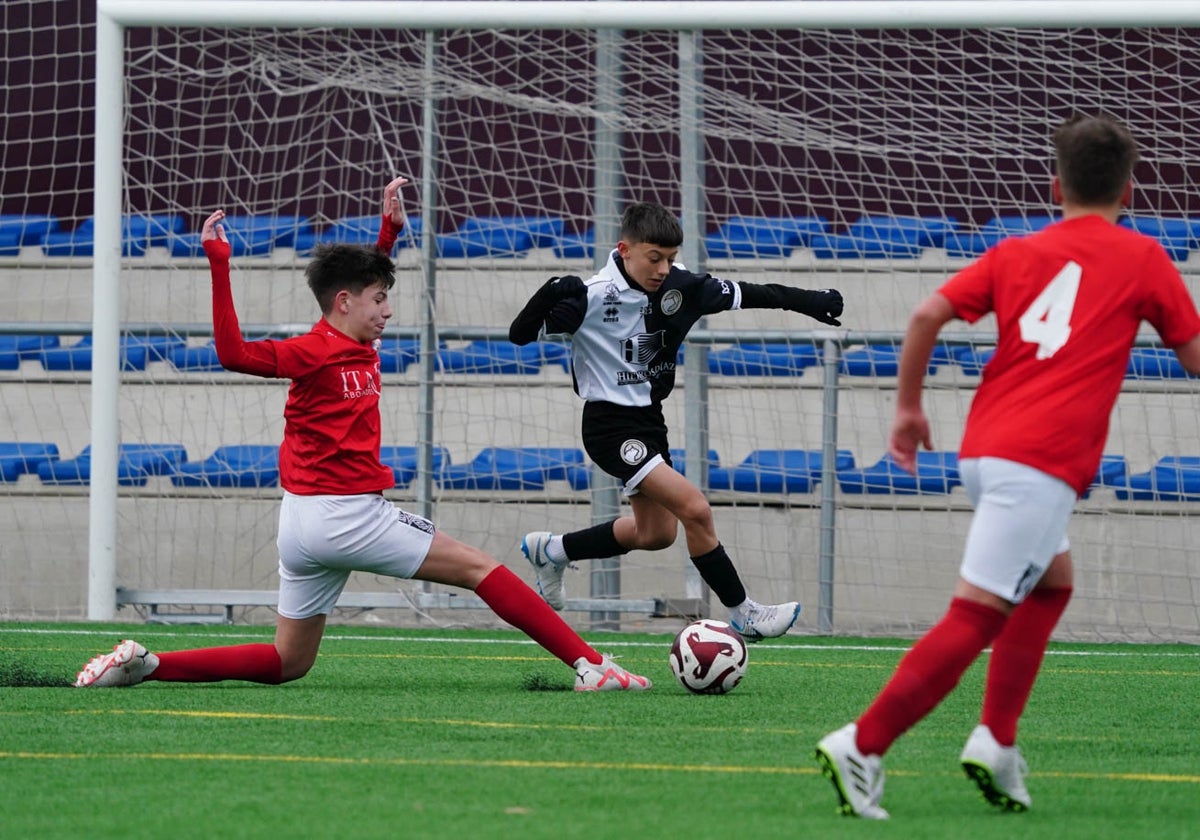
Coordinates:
<point>331,421</point>
<point>1068,301</point>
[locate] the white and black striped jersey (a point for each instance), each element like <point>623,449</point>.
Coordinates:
<point>625,342</point>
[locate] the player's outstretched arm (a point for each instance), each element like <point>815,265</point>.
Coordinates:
<point>825,305</point>
<point>527,326</point>
<point>234,353</point>
<point>394,219</point>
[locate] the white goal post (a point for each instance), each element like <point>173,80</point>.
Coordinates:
<point>115,18</point>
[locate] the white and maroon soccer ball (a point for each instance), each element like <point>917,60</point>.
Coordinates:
<point>708,657</point>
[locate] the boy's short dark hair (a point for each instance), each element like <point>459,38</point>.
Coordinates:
<point>337,267</point>
<point>652,223</point>
<point>1095,158</point>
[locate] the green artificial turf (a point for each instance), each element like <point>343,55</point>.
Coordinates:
<point>475,734</point>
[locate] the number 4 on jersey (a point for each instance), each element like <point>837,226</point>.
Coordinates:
<point>1047,321</point>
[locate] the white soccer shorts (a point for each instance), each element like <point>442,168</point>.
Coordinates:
<point>1020,524</point>
<point>322,539</point>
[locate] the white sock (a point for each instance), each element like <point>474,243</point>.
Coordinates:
<point>555,551</point>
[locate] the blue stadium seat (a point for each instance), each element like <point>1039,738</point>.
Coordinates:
<point>506,468</point>
<point>776,471</point>
<point>763,236</point>
<point>396,354</point>
<point>137,234</point>
<point>250,235</point>
<point>252,465</point>
<point>194,358</point>
<point>18,230</point>
<point>403,461</point>
<point>500,236</point>
<point>1112,472</point>
<point>966,244</point>
<point>764,359</point>
<point>503,357</point>
<point>356,230</point>
<point>1177,236</point>
<point>884,236</point>
<point>575,246</point>
<point>1174,478</point>
<point>17,459</point>
<point>136,462</point>
<point>78,356</point>
<point>679,460</point>
<point>882,360</point>
<point>972,360</point>
<point>937,472</point>
<point>16,348</point>
<point>1154,363</point>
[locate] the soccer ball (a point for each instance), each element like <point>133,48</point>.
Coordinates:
<point>708,657</point>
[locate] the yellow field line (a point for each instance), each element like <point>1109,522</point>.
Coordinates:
<point>733,769</point>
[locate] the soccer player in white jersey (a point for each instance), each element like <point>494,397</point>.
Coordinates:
<point>333,518</point>
<point>1068,302</point>
<point>626,325</point>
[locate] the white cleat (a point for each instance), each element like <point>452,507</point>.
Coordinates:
<point>755,621</point>
<point>998,771</point>
<point>549,573</point>
<point>128,664</point>
<point>607,676</point>
<point>857,778</point>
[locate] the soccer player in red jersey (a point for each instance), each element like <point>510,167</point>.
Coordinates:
<point>333,518</point>
<point>1068,303</point>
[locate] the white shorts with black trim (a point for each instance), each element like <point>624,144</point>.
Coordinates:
<point>1020,524</point>
<point>322,539</point>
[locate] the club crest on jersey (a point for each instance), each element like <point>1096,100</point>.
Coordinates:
<point>671,302</point>
<point>611,294</point>
<point>633,452</point>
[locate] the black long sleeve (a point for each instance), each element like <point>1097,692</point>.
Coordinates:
<point>823,304</point>
<point>528,323</point>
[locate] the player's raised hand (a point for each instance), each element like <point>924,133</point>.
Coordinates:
<point>910,430</point>
<point>213,229</point>
<point>391,201</point>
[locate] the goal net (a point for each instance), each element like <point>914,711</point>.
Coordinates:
<point>875,161</point>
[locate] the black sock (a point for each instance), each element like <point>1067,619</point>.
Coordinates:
<point>717,570</point>
<point>590,543</point>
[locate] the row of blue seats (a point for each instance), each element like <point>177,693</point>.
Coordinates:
<point>503,357</point>
<point>764,237</point>
<point>1172,478</point>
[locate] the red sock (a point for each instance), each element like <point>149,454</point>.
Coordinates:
<point>253,663</point>
<point>1016,657</point>
<point>513,600</point>
<point>927,673</point>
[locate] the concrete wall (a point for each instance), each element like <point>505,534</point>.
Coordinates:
<point>896,557</point>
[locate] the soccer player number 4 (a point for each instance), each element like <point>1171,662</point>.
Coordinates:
<point>1047,321</point>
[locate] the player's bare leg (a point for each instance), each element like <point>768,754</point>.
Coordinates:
<point>667,496</point>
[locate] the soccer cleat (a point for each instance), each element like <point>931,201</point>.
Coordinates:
<point>607,676</point>
<point>998,771</point>
<point>128,664</point>
<point>549,573</point>
<point>857,778</point>
<point>755,621</point>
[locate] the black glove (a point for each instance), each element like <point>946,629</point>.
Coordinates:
<point>823,304</point>
<point>528,323</point>
<point>564,288</point>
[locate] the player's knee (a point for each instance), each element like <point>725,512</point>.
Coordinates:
<point>658,540</point>
<point>695,513</point>
<point>293,668</point>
